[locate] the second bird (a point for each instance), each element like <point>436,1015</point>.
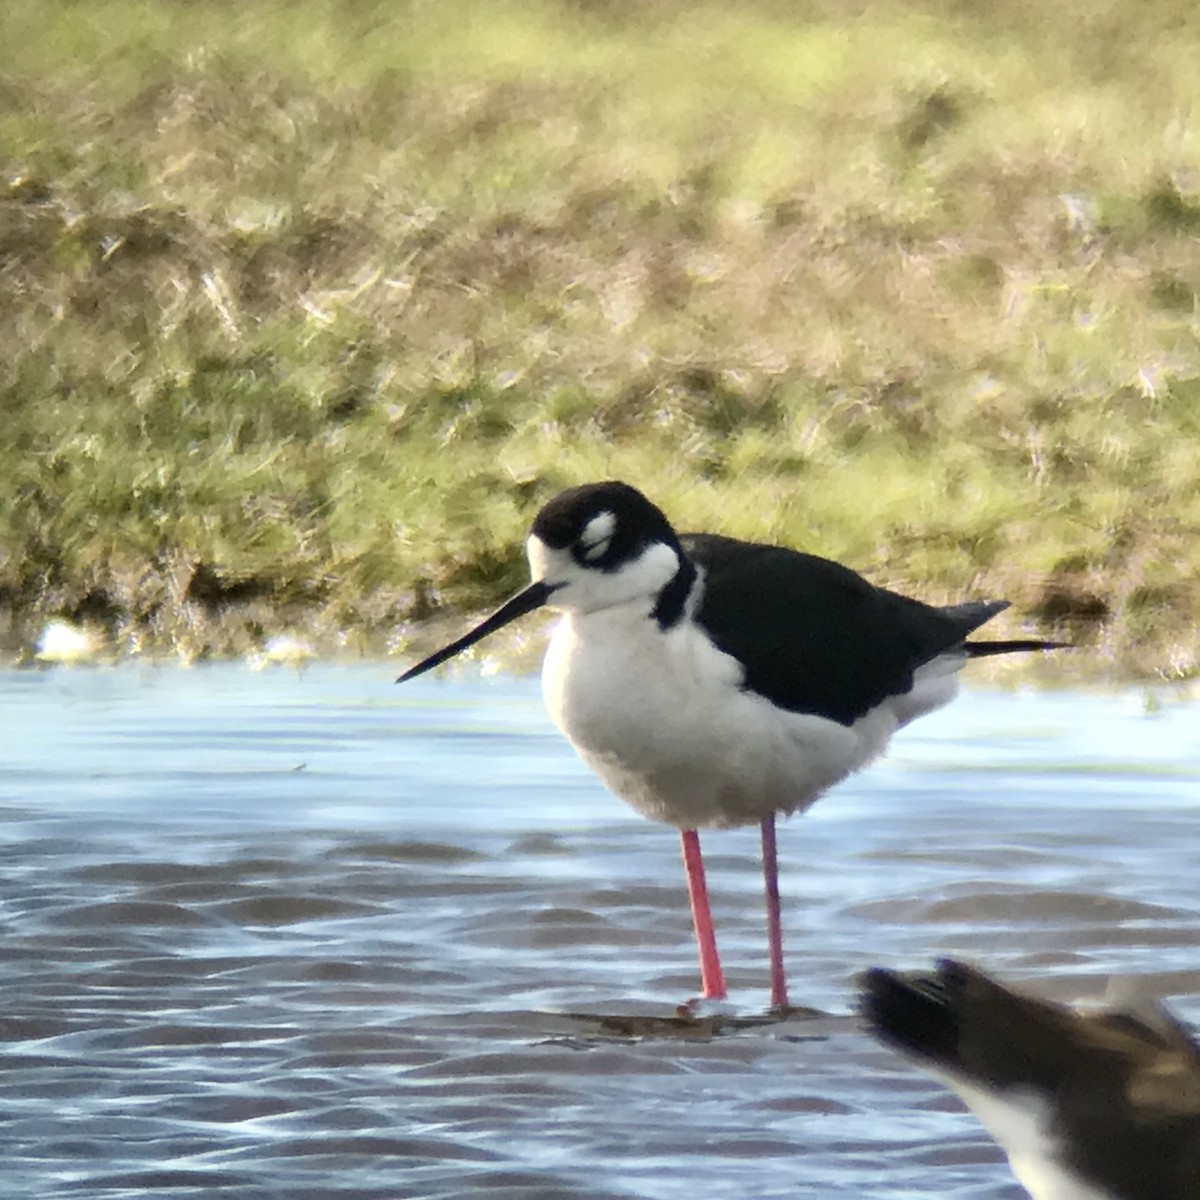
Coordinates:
<point>711,682</point>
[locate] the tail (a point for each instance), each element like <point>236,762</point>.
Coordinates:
<point>1019,645</point>
<point>969,616</point>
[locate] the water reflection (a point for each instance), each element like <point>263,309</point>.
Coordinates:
<point>314,935</point>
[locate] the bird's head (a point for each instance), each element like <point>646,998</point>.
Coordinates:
<point>602,545</point>
<point>592,547</point>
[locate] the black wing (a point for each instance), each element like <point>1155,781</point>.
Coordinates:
<point>814,636</point>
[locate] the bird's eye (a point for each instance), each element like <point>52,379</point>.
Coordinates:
<point>596,535</point>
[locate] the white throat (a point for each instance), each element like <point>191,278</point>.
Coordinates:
<point>586,589</point>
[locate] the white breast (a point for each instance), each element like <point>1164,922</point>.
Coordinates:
<point>661,718</point>
<point>1020,1123</point>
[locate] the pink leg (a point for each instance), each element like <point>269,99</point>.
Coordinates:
<point>779,996</point>
<point>712,978</point>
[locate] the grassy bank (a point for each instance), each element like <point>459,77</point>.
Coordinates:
<point>308,306</point>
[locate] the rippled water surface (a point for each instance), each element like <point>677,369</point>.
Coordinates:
<point>279,935</point>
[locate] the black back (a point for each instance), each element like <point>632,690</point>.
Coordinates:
<point>814,636</point>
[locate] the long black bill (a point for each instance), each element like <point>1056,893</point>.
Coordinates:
<point>534,596</point>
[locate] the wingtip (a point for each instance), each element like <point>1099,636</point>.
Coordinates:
<point>1013,646</point>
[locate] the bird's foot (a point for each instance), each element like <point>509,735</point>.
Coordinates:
<point>702,1007</point>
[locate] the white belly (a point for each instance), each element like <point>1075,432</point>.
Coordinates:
<point>1021,1123</point>
<point>662,720</point>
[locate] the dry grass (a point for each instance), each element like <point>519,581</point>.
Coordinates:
<point>308,306</point>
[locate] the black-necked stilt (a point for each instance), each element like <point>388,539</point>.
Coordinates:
<point>1087,1106</point>
<point>711,682</point>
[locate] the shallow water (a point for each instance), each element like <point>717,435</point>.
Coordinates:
<point>280,935</point>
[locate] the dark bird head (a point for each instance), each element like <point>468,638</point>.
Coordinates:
<point>1095,1103</point>
<point>592,547</point>
<point>964,1023</point>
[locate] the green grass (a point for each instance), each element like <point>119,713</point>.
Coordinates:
<point>308,306</point>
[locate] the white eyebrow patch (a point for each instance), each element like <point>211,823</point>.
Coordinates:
<point>597,534</point>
